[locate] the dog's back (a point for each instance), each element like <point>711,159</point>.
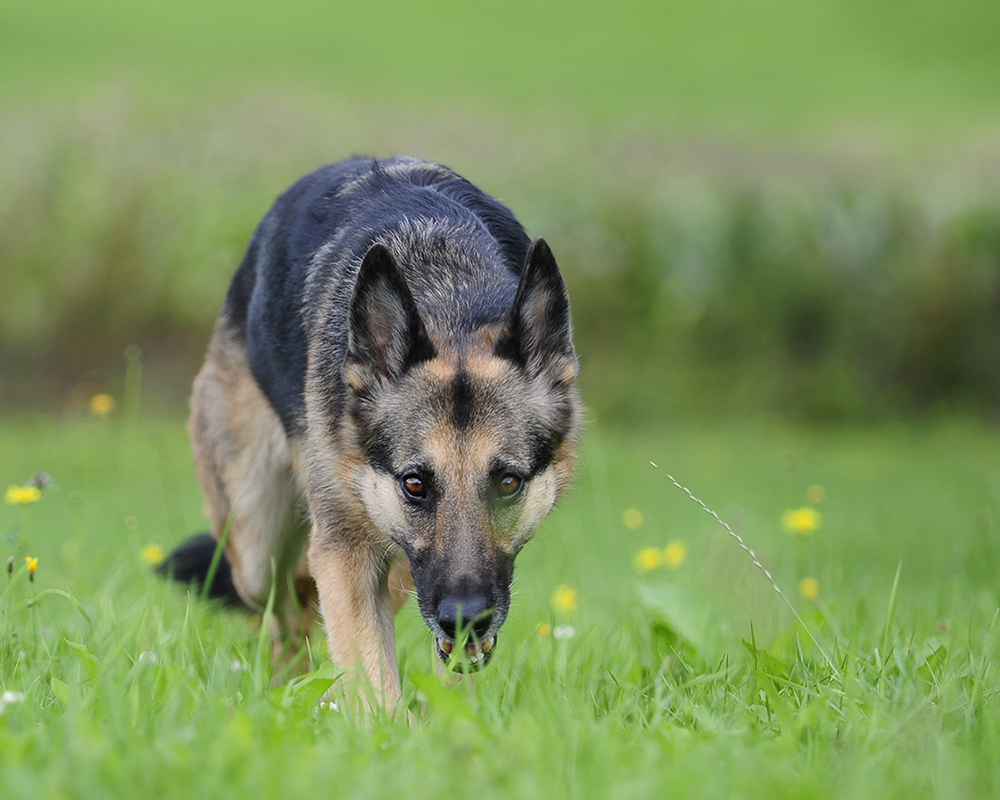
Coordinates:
<point>312,241</point>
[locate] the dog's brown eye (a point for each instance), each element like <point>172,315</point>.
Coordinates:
<point>414,487</point>
<point>509,486</point>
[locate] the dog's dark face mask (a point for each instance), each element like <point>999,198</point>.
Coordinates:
<point>465,445</point>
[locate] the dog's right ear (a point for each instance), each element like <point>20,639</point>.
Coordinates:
<point>386,336</point>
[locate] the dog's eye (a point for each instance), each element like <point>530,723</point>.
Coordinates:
<point>414,487</point>
<point>509,486</point>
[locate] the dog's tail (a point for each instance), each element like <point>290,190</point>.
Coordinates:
<point>191,563</point>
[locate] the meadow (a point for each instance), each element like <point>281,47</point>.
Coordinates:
<point>780,227</point>
<point>902,68</point>
<point>676,671</point>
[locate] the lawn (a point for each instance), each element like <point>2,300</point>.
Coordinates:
<point>691,680</point>
<point>828,67</point>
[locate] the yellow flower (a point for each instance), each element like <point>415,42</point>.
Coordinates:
<point>153,554</point>
<point>816,494</point>
<point>633,519</point>
<point>801,521</point>
<point>22,495</point>
<point>101,405</point>
<point>543,629</point>
<point>648,559</point>
<point>32,564</point>
<point>565,599</point>
<point>809,588</point>
<point>675,554</point>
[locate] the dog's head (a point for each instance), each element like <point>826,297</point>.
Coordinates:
<point>466,440</point>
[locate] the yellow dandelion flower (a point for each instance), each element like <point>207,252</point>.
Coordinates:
<point>32,564</point>
<point>543,629</point>
<point>153,554</point>
<point>565,599</point>
<point>801,521</point>
<point>816,494</point>
<point>648,559</point>
<point>633,519</point>
<point>101,405</point>
<point>22,495</point>
<point>809,588</point>
<point>675,554</point>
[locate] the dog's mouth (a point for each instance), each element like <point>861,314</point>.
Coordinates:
<point>475,655</point>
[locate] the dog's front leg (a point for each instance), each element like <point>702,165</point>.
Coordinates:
<point>352,582</point>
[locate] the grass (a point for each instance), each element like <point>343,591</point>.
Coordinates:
<point>894,66</point>
<point>694,681</point>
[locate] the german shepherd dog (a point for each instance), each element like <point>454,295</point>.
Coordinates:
<point>392,380</point>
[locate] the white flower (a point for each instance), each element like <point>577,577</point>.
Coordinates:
<point>564,632</point>
<point>148,657</point>
<point>11,699</point>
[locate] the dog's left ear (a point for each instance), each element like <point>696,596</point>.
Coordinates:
<point>386,336</point>
<point>538,334</point>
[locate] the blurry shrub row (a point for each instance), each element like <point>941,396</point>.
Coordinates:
<point>841,298</point>
<point>840,302</point>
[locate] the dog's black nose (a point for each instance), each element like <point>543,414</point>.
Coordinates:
<point>468,611</point>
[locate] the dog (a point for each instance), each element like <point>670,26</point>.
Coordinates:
<point>388,402</point>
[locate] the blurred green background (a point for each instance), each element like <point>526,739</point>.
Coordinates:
<point>762,208</point>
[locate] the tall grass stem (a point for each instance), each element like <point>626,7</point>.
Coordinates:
<point>756,561</point>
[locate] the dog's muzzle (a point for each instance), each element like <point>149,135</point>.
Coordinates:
<point>469,614</point>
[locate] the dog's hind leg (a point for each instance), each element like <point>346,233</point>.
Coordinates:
<point>248,475</point>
